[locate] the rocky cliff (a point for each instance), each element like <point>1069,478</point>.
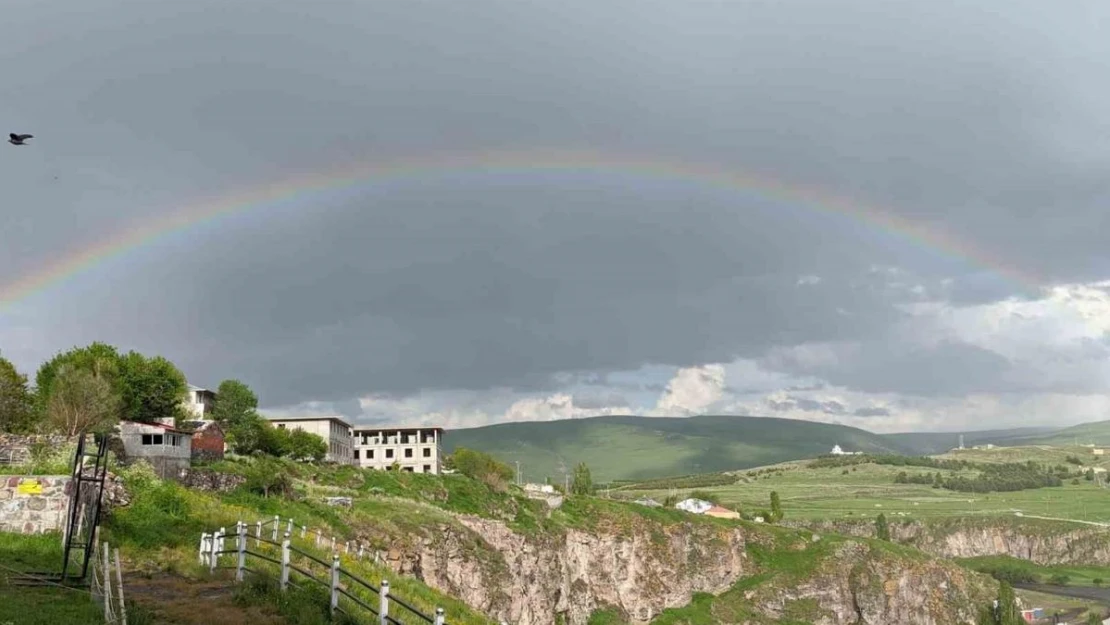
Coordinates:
<point>761,575</point>
<point>1043,542</point>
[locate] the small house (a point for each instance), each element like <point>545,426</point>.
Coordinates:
<point>722,513</point>
<point>167,448</point>
<point>209,442</point>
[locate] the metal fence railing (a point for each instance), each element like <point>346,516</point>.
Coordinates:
<point>275,553</point>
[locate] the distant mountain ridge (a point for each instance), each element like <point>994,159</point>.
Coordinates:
<point>628,447</point>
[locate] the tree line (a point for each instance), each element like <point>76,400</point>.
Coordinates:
<point>991,477</point>
<point>92,388</point>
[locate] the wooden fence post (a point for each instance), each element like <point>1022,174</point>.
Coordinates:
<point>242,548</point>
<point>285,562</point>
<point>107,584</point>
<point>334,582</point>
<point>119,579</point>
<point>277,522</point>
<point>439,616</point>
<point>383,602</point>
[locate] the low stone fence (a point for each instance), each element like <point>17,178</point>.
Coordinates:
<point>32,504</point>
<point>17,448</point>
<point>203,479</point>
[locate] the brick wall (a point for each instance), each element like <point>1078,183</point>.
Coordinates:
<point>31,504</point>
<point>208,444</point>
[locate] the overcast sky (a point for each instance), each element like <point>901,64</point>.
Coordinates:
<point>465,298</point>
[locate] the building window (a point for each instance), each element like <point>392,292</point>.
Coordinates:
<point>281,425</point>
<point>356,454</point>
<point>427,452</point>
<point>369,454</point>
<point>408,469</point>
<point>427,468</point>
<point>152,439</point>
<point>408,453</point>
<point>389,453</point>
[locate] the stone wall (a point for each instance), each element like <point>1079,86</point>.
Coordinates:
<point>34,504</point>
<point>16,448</point>
<point>202,479</point>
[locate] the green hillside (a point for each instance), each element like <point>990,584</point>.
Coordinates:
<point>637,448</point>
<point>1094,433</point>
<point>929,443</point>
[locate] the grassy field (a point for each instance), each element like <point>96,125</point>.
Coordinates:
<point>1070,575</point>
<point>868,489</point>
<point>39,606</point>
<point>640,448</point>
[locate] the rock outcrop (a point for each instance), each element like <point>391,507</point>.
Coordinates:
<point>544,578</point>
<point>1043,542</point>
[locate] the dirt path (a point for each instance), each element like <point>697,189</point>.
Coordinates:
<point>176,600</point>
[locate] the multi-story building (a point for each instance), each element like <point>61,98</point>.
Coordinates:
<point>200,402</point>
<point>415,449</point>
<point>335,431</point>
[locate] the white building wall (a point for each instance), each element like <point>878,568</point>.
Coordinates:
<point>336,435</point>
<point>414,449</point>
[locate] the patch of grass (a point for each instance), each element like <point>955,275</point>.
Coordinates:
<point>40,605</point>
<point>841,494</point>
<point>1017,570</point>
<point>606,616</point>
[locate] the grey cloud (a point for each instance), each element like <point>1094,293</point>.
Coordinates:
<point>488,281</point>
<point>871,412</point>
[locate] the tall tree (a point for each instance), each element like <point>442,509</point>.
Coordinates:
<point>776,507</point>
<point>99,359</point>
<point>882,531</point>
<point>583,483</point>
<point>17,412</point>
<point>152,388</point>
<point>235,402</point>
<point>81,402</point>
<point>307,446</point>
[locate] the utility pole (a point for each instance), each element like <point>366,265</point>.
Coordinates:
<point>518,473</point>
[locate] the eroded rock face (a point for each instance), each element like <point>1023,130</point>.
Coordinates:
<point>1040,542</point>
<point>533,579</point>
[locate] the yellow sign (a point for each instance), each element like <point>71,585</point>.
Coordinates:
<point>29,487</point>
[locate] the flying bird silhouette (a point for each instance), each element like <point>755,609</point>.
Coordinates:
<point>18,139</point>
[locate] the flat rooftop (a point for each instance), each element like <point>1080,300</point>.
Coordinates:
<point>398,428</point>
<point>317,418</point>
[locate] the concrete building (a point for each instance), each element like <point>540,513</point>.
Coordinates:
<point>414,449</point>
<point>167,448</point>
<point>200,402</point>
<point>335,431</point>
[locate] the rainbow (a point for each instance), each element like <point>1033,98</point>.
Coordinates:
<point>502,163</point>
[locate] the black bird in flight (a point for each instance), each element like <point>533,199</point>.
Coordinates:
<point>18,139</point>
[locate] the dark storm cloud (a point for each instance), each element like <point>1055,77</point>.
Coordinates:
<point>976,118</point>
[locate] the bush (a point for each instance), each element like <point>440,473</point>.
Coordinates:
<point>712,498</point>
<point>483,467</point>
<point>1060,579</point>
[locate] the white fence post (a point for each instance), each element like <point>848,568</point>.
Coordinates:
<point>333,543</point>
<point>347,547</point>
<point>241,546</point>
<point>257,532</point>
<point>216,539</point>
<point>277,522</point>
<point>334,582</point>
<point>202,554</point>
<point>383,602</point>
<point>360,551</point>
<point>304,528</point>
<point>439,616</point>
<point>289,529</point>
<point>285,562</point>
<point>119,579</point>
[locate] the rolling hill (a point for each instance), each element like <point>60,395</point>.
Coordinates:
<point>929,443</point>
<point>1093,433</point>
<point>636,448</point>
